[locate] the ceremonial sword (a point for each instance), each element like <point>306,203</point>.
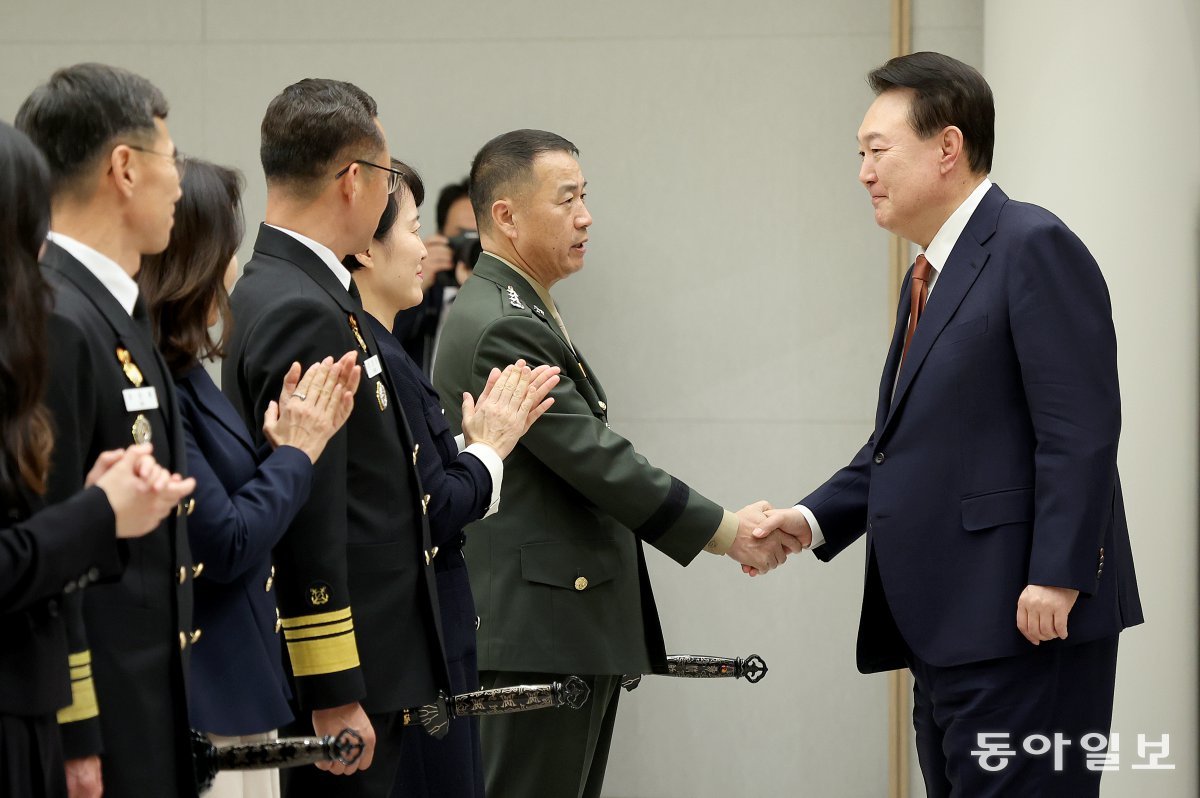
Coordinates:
<point>435,718</point>
<point>348,745</point>
<point>285,752</point>
<point>697,666</point>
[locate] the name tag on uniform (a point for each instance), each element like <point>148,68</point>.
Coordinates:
<point>372,366</point>
<point>139,399</point>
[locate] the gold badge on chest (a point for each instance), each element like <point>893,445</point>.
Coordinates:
<point>357,334</point>
<point>142,431</point>
<point>381,395</point>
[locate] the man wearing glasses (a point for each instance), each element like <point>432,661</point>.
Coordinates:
<point>363,532</point>
<point>115,174</point>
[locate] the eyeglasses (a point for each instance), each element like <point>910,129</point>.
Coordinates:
<point>394,177</point>
<point>178,158</point>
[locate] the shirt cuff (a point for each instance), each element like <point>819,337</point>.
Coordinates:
<point>818,538</point>
<point>460,440</point>
<point>495,466</point>
<point>722,539</point>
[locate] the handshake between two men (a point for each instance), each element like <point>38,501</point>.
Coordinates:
<point>767,535</point>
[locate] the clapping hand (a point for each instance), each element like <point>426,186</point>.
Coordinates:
<point>510,402</point>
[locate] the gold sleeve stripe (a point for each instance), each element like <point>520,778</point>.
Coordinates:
<point>81,672</point>
<point>80,658</point>
<point>323,655</point>
<point>328,630</point>
<point>83,702</point>
<point>312,620</point>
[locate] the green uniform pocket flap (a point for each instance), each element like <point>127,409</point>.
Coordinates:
<point>995,509</point>
<point>570,565</point>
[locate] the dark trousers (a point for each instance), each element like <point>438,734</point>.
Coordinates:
<point>451,767</point>
<point>1055,689</point>
<point>31,758</point>
<point>549,753</point>
<point>308,781</point>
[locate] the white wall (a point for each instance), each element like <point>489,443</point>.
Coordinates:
<point>733,305</point>
<point>1098,119</point>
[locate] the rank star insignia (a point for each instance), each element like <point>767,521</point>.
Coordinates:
<point>539,311</point>
<point>513,299</point>
<point>381,395</point>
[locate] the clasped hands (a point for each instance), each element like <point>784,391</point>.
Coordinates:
<point>766,536</point>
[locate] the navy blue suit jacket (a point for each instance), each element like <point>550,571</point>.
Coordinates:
<point>245,500</point>
<point>460,488</point>
<point>993,465</point>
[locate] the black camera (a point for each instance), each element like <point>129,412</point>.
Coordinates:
<point>466,247</point>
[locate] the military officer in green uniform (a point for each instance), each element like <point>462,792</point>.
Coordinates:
<point>559,574</point>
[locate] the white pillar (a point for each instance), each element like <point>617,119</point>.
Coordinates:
<point>1098,119</point>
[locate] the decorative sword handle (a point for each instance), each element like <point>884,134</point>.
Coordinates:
<point>285,752</point>
<point>697,666</point>
<point>435,718</point>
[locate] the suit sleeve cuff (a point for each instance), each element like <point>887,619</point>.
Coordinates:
<point>495,466</point>
<point>722,539</point>
<point>818,537</point>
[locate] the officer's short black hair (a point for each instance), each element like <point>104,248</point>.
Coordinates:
<point>503,161</point>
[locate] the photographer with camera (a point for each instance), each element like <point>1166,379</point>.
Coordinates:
<point>452,255</point>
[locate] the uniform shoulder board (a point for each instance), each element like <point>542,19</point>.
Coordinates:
<point>513,303</point>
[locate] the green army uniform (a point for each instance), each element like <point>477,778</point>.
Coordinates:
<point>559,574</point>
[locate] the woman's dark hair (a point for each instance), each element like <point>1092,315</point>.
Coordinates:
<point>25,429</point>
<point>183,283</point>
<point>411,182</point>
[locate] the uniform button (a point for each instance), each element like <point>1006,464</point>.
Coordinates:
<point>581,583</point>
<point>197,569</point>
<point>182,574</point>
<point>416,448</point>
<point>69,587</point>
<point>93,574</point>
<point>270,580</point>
<point>603,406</point>
<point>433,552</point>
<point>196,636</point>
<point>278,621</point>
<point>182,641</point>
<point>478,620</point>
<point>425,504</point>
<point>879,458</point>
<point>82,582</point>
<point>52,608</point>
<point>191,506</point>
<point>428,559</point>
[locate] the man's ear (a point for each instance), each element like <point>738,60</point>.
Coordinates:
<point>121,170</point>
<point>951,144</point>
<point>502,218</point>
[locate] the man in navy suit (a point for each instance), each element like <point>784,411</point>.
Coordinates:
<point>988,491</point>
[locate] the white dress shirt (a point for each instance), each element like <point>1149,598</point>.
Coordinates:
<point>936,253</point>
<point>118,282</point>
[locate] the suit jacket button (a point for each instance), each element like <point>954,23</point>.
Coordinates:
<point>581,583</point>
<point>182,574</point>
<point>879,458</point>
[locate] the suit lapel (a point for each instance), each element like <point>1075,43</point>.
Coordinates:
<point>213,404</point>
<point>962,268</point>
<point>130,334</point>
